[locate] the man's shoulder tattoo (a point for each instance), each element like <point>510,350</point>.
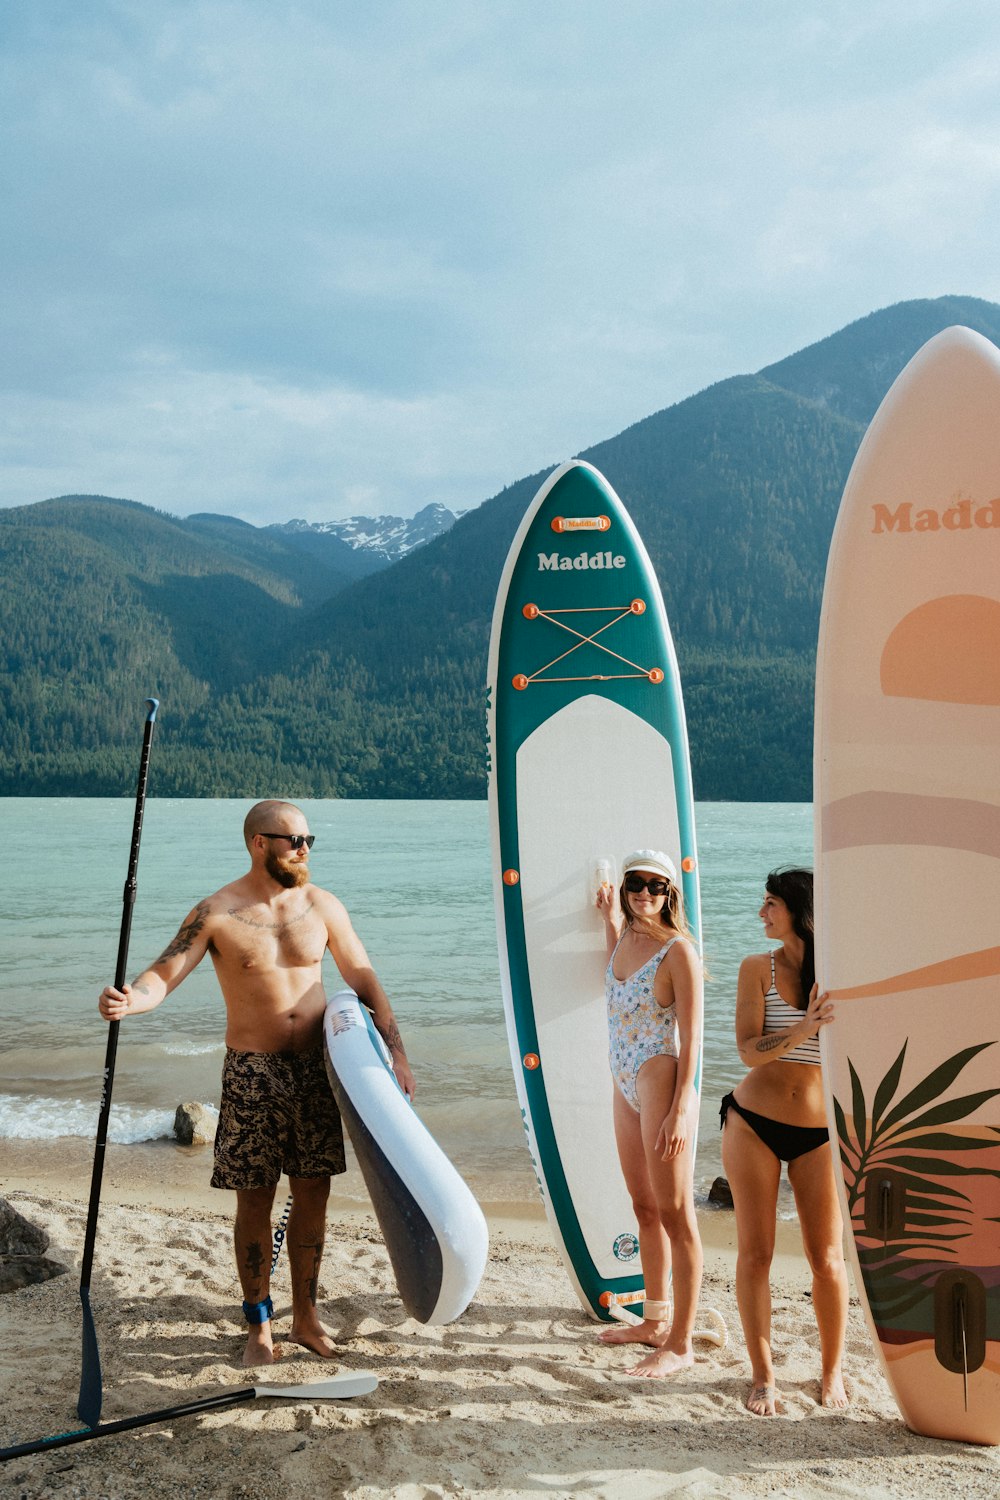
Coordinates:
<point>187,932</point>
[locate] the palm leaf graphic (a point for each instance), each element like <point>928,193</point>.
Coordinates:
<point>886,1089</point>
<point>939,1079</point>
<point>903,1137</point>
<point>860,1110</point>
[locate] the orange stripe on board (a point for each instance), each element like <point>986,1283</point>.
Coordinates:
<point>982,965</point>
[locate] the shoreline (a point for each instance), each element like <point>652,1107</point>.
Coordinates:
<point>515,1398</point>
<point>165,1175</point>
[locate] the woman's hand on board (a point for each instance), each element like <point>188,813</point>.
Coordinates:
<point>819,1012</point>
<point>606,902</point>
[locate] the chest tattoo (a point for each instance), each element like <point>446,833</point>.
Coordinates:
<point>239,914</point>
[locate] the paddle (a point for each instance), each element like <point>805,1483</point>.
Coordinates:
<point>89,1404</point>
<point>338,1387</point>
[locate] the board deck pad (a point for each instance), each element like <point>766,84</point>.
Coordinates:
<point>907,794</point>
<point>588,761</point>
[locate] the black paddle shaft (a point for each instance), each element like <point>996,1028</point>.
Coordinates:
<point>90,1385</point>
<point>126,1424</point>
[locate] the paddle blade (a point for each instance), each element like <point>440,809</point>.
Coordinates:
<point>88,1405</point>
<point>337,1388</point>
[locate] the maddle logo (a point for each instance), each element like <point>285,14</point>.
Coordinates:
<point>551,562</point>
<point>964,515</point>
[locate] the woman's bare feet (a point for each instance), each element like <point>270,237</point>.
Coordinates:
<point>833,1393</point>
<point>661,1364</point>
<point>762,1401</point>
<point>650,1331</point>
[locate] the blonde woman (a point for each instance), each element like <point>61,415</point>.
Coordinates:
<point>654,994</point>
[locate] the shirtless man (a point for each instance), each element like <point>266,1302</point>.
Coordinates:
<point>267,933</point>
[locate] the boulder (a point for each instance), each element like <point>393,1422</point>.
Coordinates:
<point>25,1270</point>
<point>18,1236</point>
<point>720,1193</point>
<point>194,1125</point>
<point>22,1251</point>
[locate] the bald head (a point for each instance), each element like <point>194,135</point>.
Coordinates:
<point>260,818</point>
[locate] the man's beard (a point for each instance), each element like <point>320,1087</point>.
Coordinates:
<point>287,873</point>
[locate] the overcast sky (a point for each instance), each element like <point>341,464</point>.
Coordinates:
<point>284,258</point>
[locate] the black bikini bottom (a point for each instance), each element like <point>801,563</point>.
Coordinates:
<point>786,1142</point>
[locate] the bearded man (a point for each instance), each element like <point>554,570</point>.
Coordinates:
<point>267,933</point>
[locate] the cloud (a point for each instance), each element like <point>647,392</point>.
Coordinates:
<point>419,247</point>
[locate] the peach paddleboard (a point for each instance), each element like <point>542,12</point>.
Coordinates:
<point>907,788</point>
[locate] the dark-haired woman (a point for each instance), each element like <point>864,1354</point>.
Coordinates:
<point>654,996</point>
<point>776,1114</point>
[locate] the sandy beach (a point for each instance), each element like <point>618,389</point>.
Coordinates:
<point>515,1398</point>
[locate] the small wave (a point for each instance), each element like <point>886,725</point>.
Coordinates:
<point>38,1119</point>
<point>192,1049</point>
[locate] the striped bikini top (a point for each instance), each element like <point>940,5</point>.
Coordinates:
<point>779,1016</point>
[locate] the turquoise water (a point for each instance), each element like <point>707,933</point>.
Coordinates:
<point>415,877</point>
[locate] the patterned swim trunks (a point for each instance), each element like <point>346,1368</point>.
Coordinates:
<point>277,1115</point>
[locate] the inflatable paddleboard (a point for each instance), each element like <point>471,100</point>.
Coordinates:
<point>908,880</point>
<point>433,1227</point>
<point>588,761</point>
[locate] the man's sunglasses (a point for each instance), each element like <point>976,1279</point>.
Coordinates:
<point>635,883</point>
<point>295,840</point>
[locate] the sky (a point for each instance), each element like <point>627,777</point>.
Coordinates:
<point>302,258</point>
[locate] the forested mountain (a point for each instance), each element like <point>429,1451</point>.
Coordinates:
<point>279,675</point>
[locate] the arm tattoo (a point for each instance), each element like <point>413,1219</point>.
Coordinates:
<point>768,1043</point>
<point>141,989</point>
<point>186,935</point>
<point>390,1035</point>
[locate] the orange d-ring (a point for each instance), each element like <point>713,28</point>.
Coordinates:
<point>531,1061</point>
<point>655,675</point>
<point>511,877</point>
<point>520,682</point>
<point>638,606</point>
<point>530,611</point>
<point>687,864</point>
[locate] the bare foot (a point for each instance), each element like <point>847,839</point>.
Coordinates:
<point>833,1392</point>
<point>661,1364</point>
<point>314,1338</point>
<point>649,1331</point>
<point>260,1350</point>
<point>763,1401</point>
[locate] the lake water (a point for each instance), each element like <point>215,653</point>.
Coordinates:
<point>415,877</point>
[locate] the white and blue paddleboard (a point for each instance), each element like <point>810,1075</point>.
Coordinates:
<point>588,761</point>
<point>433,1227</point>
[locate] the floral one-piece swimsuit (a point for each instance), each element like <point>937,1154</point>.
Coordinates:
<point>638,1027</point>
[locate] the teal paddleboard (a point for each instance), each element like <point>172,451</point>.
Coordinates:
<point>588,762</point>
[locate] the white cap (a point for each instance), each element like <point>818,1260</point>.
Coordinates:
<point>654,861</point>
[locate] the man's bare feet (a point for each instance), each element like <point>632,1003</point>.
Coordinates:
<point>313,1336</point>
<point>763,1401</point>
<point>833,1392</point>
<point>661,1364</point>
<point>650,1331</point>
<point>260,1349</point>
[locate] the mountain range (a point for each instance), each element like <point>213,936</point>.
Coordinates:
<point>348,659</point>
